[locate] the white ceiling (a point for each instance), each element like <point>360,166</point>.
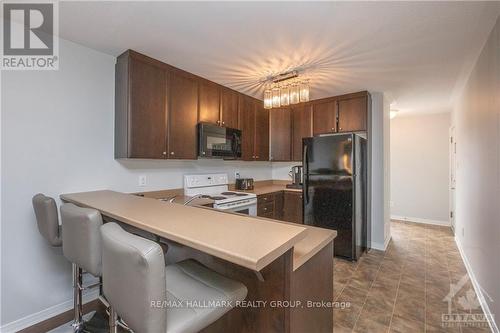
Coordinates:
<point>418,53</point>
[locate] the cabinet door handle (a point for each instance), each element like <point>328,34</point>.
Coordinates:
<point>218,122</point>
<point>223,123</point>
<point>172,153</point>
<point>164,153</point>
<point>256,156</point>
<point>333,129</point>
<point>340,128</point>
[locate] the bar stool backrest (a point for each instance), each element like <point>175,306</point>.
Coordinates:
<point>46,218</point>
<point>134,279</point>
<point>82,237</point>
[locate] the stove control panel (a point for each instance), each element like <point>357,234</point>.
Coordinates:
<point>213,179</point>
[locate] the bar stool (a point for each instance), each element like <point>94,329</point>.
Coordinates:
<point>47,219</point>
<point>81,242</point>
<point>140,289</point>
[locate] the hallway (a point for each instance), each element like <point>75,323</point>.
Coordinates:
<point>404,289</point>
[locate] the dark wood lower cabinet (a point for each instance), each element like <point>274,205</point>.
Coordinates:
<point>282,205</point>
<point>292,207</point>
<point>278,281</point>
<point>278,205</point>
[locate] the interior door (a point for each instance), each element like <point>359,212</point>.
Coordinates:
<point>183,116</point>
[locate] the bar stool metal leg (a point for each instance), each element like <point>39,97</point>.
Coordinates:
<point>77,298</point>
<point>113,318</point>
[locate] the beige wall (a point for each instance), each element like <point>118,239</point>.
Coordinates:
<point>420,167</point>
<point>476,118</point>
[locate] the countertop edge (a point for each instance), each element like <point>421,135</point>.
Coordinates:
<point>244,262</point>
<point>298,262</point>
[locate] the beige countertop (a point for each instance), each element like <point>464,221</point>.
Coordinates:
<point>244,240</point>
<point>304,249</point>
<point>269,186</point>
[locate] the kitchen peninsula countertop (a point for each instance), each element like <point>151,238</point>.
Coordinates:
<point>248,241</point>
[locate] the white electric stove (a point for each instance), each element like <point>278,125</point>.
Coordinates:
<point>215,187</point>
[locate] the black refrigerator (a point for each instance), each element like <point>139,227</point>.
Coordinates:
<point>335,190</point>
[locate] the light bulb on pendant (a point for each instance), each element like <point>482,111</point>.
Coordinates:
<point>304,91</point>
<point>285,96</point>
<point>276,97</point>
<point>294,93</point>
<point>268,98</point>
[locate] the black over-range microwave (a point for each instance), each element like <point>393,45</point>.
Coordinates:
<point>218,142</point>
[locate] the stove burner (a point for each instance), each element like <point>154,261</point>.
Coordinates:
<point>238,194</point>
<point>217,197</point>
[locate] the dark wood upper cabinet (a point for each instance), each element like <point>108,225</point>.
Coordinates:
<point>302,128</point>
<point>158,106</point>
<point>140,115</point>
<point>281,134</point>
<point>324,117</point>
<point>352,114</point>
<point>261,132</point>
<point>247,117</point>
<point>183,116</point>
<point>209,109</point>
<point>229,108</point>
<point>254,122</point>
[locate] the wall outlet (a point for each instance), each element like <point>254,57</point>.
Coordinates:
<point>142,180</point>
<point>236,174</point>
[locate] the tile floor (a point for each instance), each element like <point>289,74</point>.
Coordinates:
<point>404,289</point>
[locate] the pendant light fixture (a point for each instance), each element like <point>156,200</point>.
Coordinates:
<point>285,89</point>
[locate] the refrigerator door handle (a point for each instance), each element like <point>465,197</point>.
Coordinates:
<point>306,175</point>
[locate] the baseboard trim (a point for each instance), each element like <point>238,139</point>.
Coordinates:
<point>43,315</point>
<point>477,288</point>
<point>420,220</point>
<point>380,246</point>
